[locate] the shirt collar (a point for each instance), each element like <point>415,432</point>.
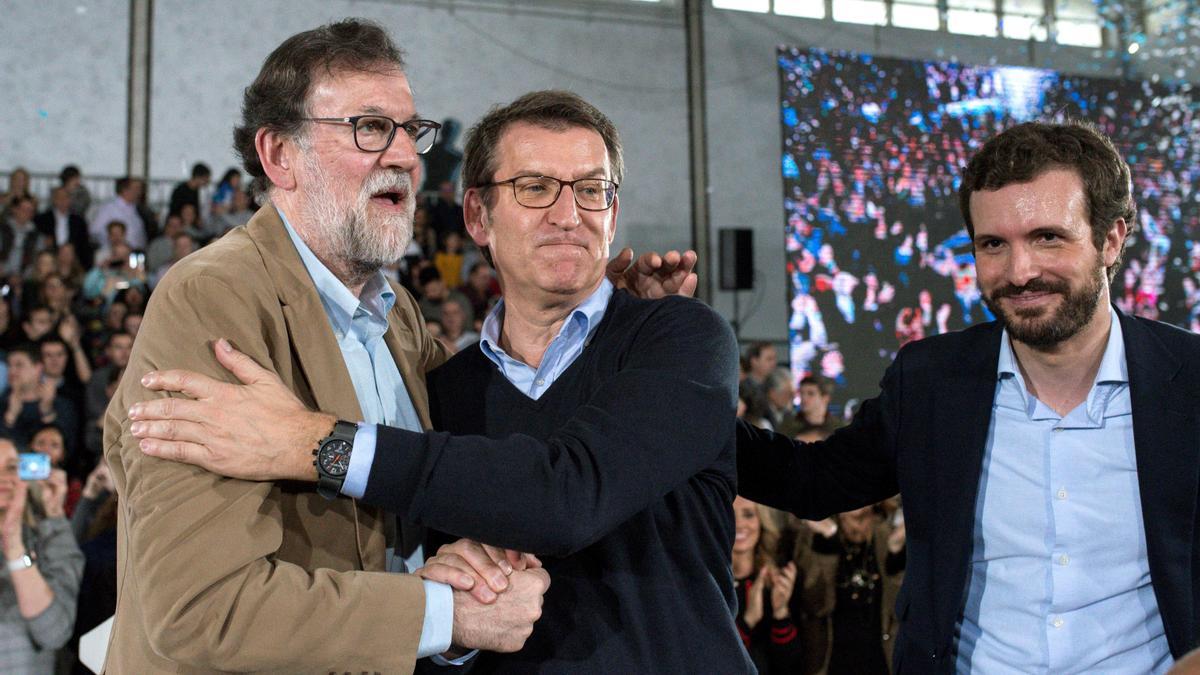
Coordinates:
<point>340,304</point>
<point>1113,368</point>
<point>585,318</point>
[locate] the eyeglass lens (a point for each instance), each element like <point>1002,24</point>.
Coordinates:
<point>538,192</point>
<point>373,133</point>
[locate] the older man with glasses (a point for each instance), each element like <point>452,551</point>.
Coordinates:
<point>589,427</point>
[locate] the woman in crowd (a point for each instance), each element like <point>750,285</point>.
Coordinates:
<point>764,591</point>
<point>18,187</point>
<point>39,588</point>
<point>222,199</point>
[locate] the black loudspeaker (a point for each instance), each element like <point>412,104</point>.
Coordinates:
<point>737,259</point>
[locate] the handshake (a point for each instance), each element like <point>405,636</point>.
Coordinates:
<point>497,594</point>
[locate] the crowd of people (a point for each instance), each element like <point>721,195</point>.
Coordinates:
<point>877,255</point>
<point>813,596</point>
<point>76,276</point>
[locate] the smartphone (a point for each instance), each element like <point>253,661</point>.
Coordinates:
<point>136,260</point>
<point>33,466</point>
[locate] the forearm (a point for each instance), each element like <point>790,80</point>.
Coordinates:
<point>33,593</point>
<point>82,367</point>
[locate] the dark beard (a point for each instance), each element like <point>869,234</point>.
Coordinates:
<point>1076,310</point>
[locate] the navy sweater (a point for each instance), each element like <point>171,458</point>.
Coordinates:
<point>621,477</point>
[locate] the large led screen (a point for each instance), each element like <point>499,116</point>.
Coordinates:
<point>877,254</point>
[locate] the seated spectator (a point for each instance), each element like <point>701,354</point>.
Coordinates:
<point>37,599</point>
<point>18,188</point>
<point>240,210</point>
<point>764,591</point>
<point>69,265</point>
<point>94,524</point>
<point>52,442</point>
<point>65,365</point>
<point>100,388</point>
<point>752,407</point>
<point>18,237</point>
<point>38,323</point>
<point>60,226</point>
<point>455,321</point>
<point>32,402</point>
<point>114,233</point>
<point>181,247</point>
<point>815,394</point>
<point>434,292</point>
<point>57,295</point>
<point>449,260</point>
<point>222,199</point>
<point>125,208</point>
<point>481,289</point>
<point>158,253</point>
<point>113,275</point>
<point>132,323</point>
<point>192,223</point>
<point>39,268</point>
<point>188,191</point>
<point>855,574</point>
<point>72,181</point>
<point>780,396</point>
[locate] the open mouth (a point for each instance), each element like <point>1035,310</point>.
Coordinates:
<point>389,198</point>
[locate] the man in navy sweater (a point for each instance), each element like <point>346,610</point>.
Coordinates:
<point>589,427</point>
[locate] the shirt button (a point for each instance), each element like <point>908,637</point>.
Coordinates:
<point>1057,429</point>
<point>1057,622</point>
<point>1063,559</point>
<point>1062,493</point>
<point>541,382</point>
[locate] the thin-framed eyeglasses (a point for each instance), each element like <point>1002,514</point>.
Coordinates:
<point>374,133</point>
<point>540,192</point>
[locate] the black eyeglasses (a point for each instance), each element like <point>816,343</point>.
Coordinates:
<point>540,192</point>
<point>374,133</point>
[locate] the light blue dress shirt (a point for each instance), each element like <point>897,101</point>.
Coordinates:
<point>1060,581</point>
<point>359,326</point>
<point>562,351</point>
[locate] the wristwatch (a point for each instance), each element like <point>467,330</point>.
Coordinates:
<point>22,563</point>
<point>332,458</point>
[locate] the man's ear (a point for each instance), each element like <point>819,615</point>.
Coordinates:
<point>277,154</point>
<point>1113,241</point>
<point>475,216</point>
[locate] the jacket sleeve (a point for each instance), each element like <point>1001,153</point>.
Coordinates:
<point>61,565</point>
<point>201,548</point>
<point>664,417</point>
<point>854,467</point>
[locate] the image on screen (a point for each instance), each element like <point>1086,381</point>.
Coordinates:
<point>877,253</point>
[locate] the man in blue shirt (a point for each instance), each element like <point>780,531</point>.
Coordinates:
<point>1048,460</point>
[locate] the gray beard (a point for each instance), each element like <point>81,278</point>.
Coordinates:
<point>345,232</point>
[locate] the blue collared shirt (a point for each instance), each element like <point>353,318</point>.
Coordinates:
<point>1059,580</point>
<point>562,351</point>
<point>359,324</point>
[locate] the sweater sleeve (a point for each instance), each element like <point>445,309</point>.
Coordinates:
<point>61,564</point>
<point>665,416</point>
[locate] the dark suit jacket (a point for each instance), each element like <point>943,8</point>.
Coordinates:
<point>77,234</point>
<point>924,435</point>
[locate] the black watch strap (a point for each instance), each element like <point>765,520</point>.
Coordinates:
<point>329,485</point>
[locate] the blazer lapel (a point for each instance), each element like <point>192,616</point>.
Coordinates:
<point>962,413</point>
<point>315,349</point>
<point>1168,467</point>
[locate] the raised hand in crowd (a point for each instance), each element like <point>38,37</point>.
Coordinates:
<point>99,481</point>
<point>753,613</point>
<point>54,494</point>
<point>783,583</point>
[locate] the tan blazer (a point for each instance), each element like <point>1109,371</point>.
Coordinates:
<point>218,574</point>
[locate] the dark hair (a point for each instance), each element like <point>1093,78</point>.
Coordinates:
<point>228,175</point>
<point>68,172</point>
<point>201,170</point>
<point>551,109</point>
<point>823,383</point>
<point>39,307</point>
<point>28,349</point>
<point>278,98</point>
<point>1022,153</point>
<point>756,349</point>
<point>52,338</point>
<point>114,335</point>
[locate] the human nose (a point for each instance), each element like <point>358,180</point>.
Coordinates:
<point>1022,266</point>
<point>564,212</point>
<point>401,153</point>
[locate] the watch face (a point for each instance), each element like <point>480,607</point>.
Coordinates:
<point>334,457</point>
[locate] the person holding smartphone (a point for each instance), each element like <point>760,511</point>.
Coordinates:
<point>43,565</point>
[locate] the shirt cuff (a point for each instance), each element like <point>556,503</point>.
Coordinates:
<point>361,457</point>
<point>438,627</point>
